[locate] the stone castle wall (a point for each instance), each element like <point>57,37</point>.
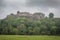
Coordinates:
<point>34,16</point>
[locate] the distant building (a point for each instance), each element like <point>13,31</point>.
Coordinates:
<point>38,15</point>
<point>34,16</point>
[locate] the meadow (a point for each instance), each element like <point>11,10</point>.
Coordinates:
<point>25,37</point>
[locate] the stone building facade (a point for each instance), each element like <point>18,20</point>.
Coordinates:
<point>34,16</point>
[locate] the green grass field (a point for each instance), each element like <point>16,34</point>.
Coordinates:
<point>19,37</point>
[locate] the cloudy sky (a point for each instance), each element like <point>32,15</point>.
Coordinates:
<point>44,6</point>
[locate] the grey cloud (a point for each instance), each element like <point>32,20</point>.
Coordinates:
<point>1,2</point>
<point>47,3</point>
<point>2,5</point>
<point>8,6</point>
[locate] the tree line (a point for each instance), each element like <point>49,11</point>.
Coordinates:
<point>23,26</point>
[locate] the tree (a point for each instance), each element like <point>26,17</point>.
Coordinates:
<point>44,30</point>
<point>53,30</point>
<point>4,31</point>
<point>57,24</point>
<point>21,29</point>
<point>36,30</point>
<point>46,25</point>
<point>51,15</point>
<point>15,31</point>
<point>30,30</point>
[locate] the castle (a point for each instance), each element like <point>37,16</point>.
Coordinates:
<point>34,16</point>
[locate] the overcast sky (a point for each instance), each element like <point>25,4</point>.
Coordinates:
<point>44,6</point>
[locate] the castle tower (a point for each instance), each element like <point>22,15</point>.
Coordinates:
<point>18,12</point>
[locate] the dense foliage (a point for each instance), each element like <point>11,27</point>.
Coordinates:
<point>24,26</point>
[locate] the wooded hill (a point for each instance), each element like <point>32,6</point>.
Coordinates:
<point>23,26</point>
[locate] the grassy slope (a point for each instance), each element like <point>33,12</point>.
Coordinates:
<point>18,37</point>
